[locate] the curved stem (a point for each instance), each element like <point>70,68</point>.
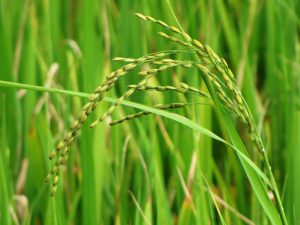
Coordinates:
<point>275,189</point>
<point>174,15</point>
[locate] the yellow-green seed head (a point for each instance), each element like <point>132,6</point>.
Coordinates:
<point>221,97</point>
<point>132,86</point>
<point>203,69</point>
<point>128,93</point>
<point>90,109</point>
<point>143,83</point>
<point>229,85</point>
<point>197,43</point>
<point>250,128</point>
<point>224,62</point>
<point>111,109</point>
<point>187,65</point>
<point>150,57</point>
<point>111,75</point>
<point>152,71</point>
<point>52,155</point>
<point>82,117</point>
<point>238,99</point>
<point>120,70</point>
<point>241,116</point>
<point>143,73</point>
<point>213,57</point>
<point>92,97</point>
<point>124,59</point>
<point>160,88</point>
<point>150,18</point>
<point>176,105</point>
<point>86,106</point>
<point>174,29</point>
<point>225,76</point>
<point>118,59</point>
<point>170,87</point>
<point>55,180</point>
<point>186,36</point>
<point>217,84</point>
<point>141,60</point>
<point>58,161</point>
<point>53,170</point>
<point>184,86</point>
<point>129,117</point>
<point>100,88</point>
<point>158,105</point>
<point>53,191</point>
<point>162,68</point>
<point>219,67</point>
<point>68,137</point>
<point>159,55</point>
<point>120,74</point>
<point>130,66</point>
<point>230,74</point>
<point>163,35</point>
<point>65,159</point>
<point>75,125</point>
<point>162,23</point>
<point>111,82</point>
<point>141,16</point>
<point>48,177</point>
<point>168,60</point>
<point>60,146</point>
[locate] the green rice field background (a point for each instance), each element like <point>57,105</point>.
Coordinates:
<point>159,169</point>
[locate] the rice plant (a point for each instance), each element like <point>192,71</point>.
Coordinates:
<point>209,163</point>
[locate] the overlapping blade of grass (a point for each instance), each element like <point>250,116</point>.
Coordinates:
<point>52,213</point>
<point>206,29</point>
<point>5,115</point>
<point>11,108</point>
<point>288,74</point>
<point>257,185</point>
<point>164,214</point>
<point>180,119</point>
<point>90,153</point>
<point>4,194</point>
<point>5,181</point>
<point>282,49</point>
<point>214,201</point>
<point>187,213</point>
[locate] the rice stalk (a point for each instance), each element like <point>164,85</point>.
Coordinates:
<point>214,70</point>
<point>144,113</point>
<point>239,104</point>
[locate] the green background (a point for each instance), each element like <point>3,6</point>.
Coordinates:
<point>146,171</point>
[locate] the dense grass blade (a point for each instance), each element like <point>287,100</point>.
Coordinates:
<point>5,194</point>
<point>180,119</point>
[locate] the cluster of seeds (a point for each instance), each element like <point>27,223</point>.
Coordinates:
<point>229,93</point>
<point>209,63</point>
<point>144,113</point>
<point>184,88</point>
<point>218,72</point>
<point>61,152</point>
<point>148,74</point>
